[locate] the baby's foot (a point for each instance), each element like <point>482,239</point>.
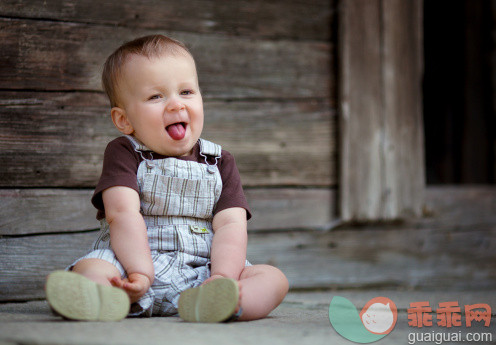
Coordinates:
<point>78,298</point>
<point>215,301</point>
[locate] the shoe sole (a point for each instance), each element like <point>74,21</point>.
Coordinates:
<point>215,301</point>
<point>79,298</point>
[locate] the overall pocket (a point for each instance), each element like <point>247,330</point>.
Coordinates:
<point>174,196</point>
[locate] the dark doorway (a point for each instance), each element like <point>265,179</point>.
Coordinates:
<point>459,116</point>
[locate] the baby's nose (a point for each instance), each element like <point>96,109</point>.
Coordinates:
<point>175,104</point>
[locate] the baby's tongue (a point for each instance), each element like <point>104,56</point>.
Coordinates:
<point>176,131</point>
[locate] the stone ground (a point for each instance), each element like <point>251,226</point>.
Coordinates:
<point>301,319</point>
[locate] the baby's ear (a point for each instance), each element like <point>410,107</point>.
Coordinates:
<point>121,121</point>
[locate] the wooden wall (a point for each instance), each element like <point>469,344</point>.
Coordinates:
<point>266,69</point>
<point>381,128</point>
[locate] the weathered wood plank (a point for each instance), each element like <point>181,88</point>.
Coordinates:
<point>52,139</point>
<point>310,20</point>
<point>344,258</point>
<point>27,211</point>
<point>288,208</point>
<point>361,105</point>
<point>25,262</point>
<point>289,143</point>
<point>458,206</point>
<point>382,164</point>
<point>43,55</point>
<point>58,139</point>
<point>403,129</point>
<point>61,210</point>
<point>35,211</point>
<point>381,257</point>
<point>55,210</point>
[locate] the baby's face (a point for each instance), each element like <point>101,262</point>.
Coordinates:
<point>162,102</point>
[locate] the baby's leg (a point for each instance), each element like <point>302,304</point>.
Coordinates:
<point>263,288</point>
<point>98,270</point>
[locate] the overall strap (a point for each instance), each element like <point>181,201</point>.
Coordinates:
<point>208,148</point>
<point>140,148</point>
<point>138,145</point>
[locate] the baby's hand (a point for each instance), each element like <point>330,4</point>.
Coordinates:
<point>136,285</point>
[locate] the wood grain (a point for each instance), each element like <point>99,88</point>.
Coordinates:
<point>58,139</point>
<point>381,130</point>
<point>380,257</point>
<point>458,206</point>
<point>38,211</point>
<point>403,128</point>
<point>257,18</point>
<point>44,55</point>
<point>26,261</point>
<point>291,208</point>
<point>361,106</point>
<point>29,211</point>
<point>346,258</point>
<point>35,211</point>
<point>266,69</point>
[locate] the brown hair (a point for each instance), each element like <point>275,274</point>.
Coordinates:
<point>148,46</point>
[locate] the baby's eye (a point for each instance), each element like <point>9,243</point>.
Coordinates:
<point>154,97</point>
<point>186,92</point>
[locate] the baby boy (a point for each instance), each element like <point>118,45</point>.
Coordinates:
<point>173,214</point>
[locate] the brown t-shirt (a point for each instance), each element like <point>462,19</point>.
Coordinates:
<point>121,162</point>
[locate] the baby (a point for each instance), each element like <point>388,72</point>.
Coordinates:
<point>173,214</point>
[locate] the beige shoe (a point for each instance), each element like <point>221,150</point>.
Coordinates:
<point>215,301</point>
<point>78,298</point>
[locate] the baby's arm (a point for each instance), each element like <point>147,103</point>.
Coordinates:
<point>228,254</point>
<point>129,240</point>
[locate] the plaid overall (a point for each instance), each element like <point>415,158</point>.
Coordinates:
<point>177,202</point>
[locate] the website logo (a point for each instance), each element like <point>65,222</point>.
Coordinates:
<point>376,320</point>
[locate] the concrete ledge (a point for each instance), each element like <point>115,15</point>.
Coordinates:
<point>301,319</point>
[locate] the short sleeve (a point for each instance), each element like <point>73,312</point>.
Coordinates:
<point>120,166</point>
<point>232,189</point>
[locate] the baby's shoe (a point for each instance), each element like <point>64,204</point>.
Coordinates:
<point>215,301</point>
<point>76,297</point>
